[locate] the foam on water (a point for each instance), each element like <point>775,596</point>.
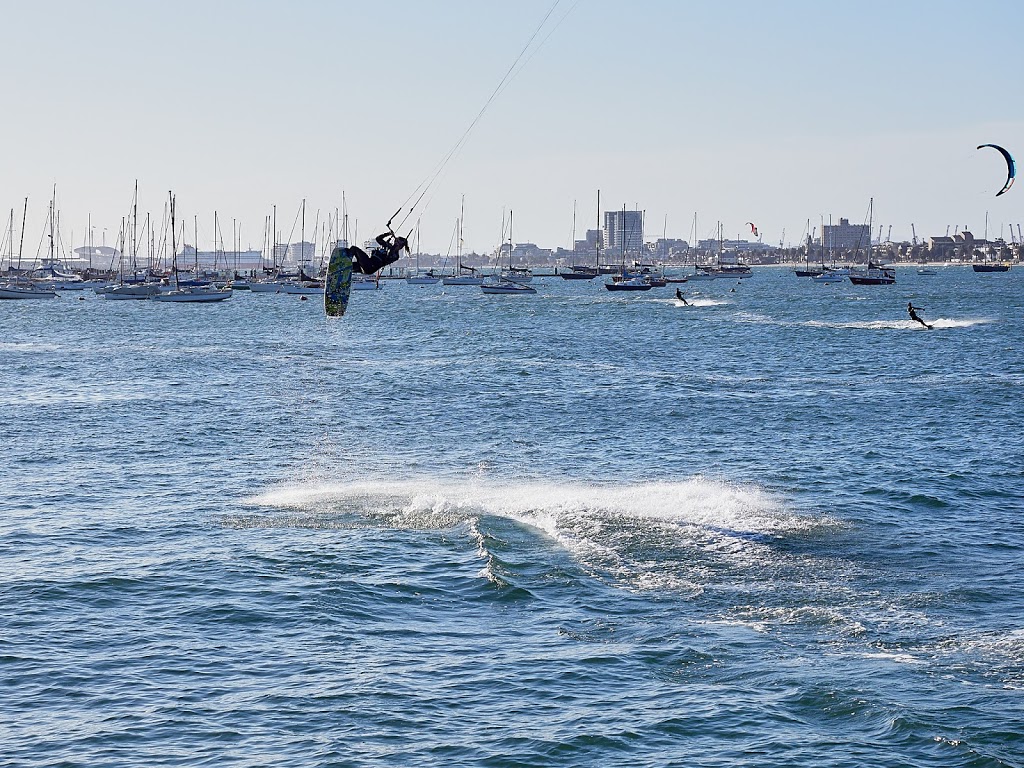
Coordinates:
<point>896,325</point>
<point>696,501</point>
<point>625,530</point>
<point>696,302</point>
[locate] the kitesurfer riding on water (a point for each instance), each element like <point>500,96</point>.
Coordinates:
<point>912,311</point>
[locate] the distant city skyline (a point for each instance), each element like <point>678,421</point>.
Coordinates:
<point>781,114</point>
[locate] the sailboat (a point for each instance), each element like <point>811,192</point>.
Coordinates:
<point>872,274</point>
<point>463,274</point>
<point>627,280</point>
<point>19,287</point>
<point>579,272</point>
<point>511,273</point>
<point>728,267</point>
<point>270,282</point>
<point>420,277</point>
<point>700,271</point>
<point>808,270</point>
<point>302,285</point>
<point>188,293</point>
<point>135,288</point>
<point>502,284</point>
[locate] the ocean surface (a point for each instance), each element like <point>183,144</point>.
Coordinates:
<point>781,526</point>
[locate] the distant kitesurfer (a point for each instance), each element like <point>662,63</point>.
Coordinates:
<point>679,295</point>
<point>912,311</point>
<point>388,251</point>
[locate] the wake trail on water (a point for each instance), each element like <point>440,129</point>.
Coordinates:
<point>622,529</point>
<point>898,325</point>
<point>699,303</point>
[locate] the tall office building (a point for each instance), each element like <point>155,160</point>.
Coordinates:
<point>845,236</point>
<point>623,232</point>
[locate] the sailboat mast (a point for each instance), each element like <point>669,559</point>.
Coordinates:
<point>458,253</point>
<point>871,213</point>
<point>622,237</point>
<point>344,219</point>
<point>600,233</point>
<point>174,243</point>
<point>51,223</point>
<point>135,228</point>
<point>694,244</point>
<point>664,237</point>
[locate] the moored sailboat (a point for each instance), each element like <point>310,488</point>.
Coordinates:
<point>20,287</point>
<point>873,273</point>
<point>193,294</point>
<point>421,277</point>
<point>503,285</point>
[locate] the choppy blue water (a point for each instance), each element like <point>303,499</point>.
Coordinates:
<point>779,527</point>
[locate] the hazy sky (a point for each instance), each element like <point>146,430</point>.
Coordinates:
<point>772,112</point>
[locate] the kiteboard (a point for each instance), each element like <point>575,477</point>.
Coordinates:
<point>339,282</point>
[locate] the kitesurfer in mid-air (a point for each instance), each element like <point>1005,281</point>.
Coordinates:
<point>388,251</point>
<point>912,311</point>
<point>679,295</point>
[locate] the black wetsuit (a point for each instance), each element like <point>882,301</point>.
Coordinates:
<point>389,250</point>
<point>679,295</point>
<point>912,311</point>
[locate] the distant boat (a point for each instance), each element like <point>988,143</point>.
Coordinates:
<point>193,294</point>
<point>302,287</point>
<point>25,290</point>
<point>364,282</point>
<point>502,284</point>
<point>993,267</point>
<point>728,269</point>
<point>635,283</point>
<point>808,270</point>
<point>732,271</point>
<point>579,273</point>
<point>50,276</point>
<point>463,279</point>
<point>701,273</point>
<point>463,274</point>
<point>516,274</point>
<point>926,271</point>
<point>19,287</point>
<point>830,276</point>
<point>129,291</point>
<point>507,287</point>
<point>421,277</point>
<point>873,274</point>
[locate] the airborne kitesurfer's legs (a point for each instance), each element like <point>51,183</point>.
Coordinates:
<point>362,261</point>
